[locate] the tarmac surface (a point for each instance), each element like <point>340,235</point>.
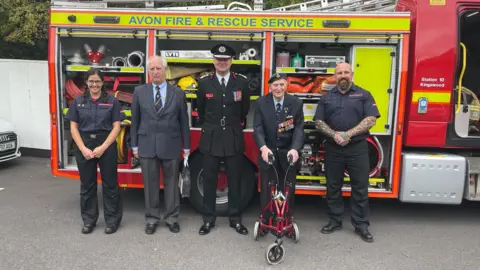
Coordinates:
<point>40,229</point>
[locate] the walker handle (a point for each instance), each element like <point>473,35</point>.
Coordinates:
<point>271,158</point>
<point>290,159</point>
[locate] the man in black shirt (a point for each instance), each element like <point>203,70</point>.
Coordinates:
<point>345,115</point>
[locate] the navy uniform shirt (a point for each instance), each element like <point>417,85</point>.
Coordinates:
<point>342,112</point>
<point>95,115</point>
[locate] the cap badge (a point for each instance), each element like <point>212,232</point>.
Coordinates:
<point>278,75</point>
<point>221,49</point>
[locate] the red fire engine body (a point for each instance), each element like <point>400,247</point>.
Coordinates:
<point>418,61</point>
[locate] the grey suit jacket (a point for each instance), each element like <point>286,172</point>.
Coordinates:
<point>159,135</point>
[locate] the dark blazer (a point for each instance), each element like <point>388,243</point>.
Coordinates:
<point>221,113</point>
<point>266,129</point>
<point>158,135</point>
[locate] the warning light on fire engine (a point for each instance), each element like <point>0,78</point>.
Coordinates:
<point>106,19</point>
<point>336,23</point>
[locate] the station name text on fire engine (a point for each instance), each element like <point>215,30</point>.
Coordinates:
<point>429,82</point>
<point>222,21</point>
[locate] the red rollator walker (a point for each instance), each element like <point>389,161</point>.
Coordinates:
<point>280,221</point>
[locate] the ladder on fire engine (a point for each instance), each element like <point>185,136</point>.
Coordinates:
<point>258,5</point>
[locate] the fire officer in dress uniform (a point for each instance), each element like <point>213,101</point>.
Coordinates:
<point>278,129</point>
<point>345,115</point>
<point>95,120</point>
<point>223,103</point>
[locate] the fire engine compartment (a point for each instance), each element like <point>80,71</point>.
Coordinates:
<point>374,60</point>
<point>467,120</point>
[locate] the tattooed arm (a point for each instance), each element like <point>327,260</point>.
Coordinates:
<point>324,128</point>
<point>365,125</point>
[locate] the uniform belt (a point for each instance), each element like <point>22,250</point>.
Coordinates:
<point>94,135</point>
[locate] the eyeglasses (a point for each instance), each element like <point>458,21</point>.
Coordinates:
<point>94,82</point>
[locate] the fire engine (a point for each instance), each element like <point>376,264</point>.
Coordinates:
<point>416,57</point>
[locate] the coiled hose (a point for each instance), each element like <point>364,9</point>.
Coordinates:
<point>72,90</point>
<point>121,140</point>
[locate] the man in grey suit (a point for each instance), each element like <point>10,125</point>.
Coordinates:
<point>159,122</point>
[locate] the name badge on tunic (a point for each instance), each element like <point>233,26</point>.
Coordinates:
<point>237,96</point>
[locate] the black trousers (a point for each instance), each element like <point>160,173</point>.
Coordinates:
<point>268,177</point>
<point>354,158</point>
<point>211,167</point>
<point>112,202</point>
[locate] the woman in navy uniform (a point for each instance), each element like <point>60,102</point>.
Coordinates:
<point>95,123</point>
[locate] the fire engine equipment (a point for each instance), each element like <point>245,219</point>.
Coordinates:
<point>94,56</point>
<point>281,222</point>
<point>124,96</point>
<point>119,62</point>
<point>187,83</point>
<point>243,56</point>
<point>251,53</point>
<point>283,59</point>
<point>474,114</point>
<point>300,84</point>
<point>297,61</point>
<point>121,139</point>
<point>72,90</point>
<point>323,61</point>
<point>135,59</point>
<point>76,59</point>
<point>323,84</point>
<point>376,156</point>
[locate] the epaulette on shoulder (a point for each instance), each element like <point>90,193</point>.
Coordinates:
<point>205,76</point>
<point>241,75</point>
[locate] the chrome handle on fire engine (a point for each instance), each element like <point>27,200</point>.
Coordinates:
<point>464,64</point>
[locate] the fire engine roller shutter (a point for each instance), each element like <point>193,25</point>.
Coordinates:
<point>373,69</point>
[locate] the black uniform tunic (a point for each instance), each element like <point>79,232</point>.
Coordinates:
<point>95,120</point>
<point>342,112</point>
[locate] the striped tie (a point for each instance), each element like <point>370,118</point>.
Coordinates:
<point>158,99</point>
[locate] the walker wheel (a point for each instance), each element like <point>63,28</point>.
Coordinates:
<point>296,233</point>
<point>274,254</point>
<point>256,229</point>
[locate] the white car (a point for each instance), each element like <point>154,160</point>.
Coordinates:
<point>9,141</point>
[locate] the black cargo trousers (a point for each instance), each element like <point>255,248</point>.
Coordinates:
<point>354,158</point>
<point>112,201</point>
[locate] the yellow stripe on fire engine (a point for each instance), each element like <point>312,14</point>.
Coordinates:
<point>432,97</point>
<point>229,21</point>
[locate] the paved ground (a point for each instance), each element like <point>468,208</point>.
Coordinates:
<point>40,229</point>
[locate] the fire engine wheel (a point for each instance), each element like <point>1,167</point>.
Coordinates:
<point>247,185</point>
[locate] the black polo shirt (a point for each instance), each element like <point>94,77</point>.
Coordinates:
<point>342,112</point>
<point>95,115</point>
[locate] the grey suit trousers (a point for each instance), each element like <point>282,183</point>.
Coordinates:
<point>151,180</point>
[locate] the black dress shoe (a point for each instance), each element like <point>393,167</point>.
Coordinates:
<point>365,235</point>
<point>111,228</point>
<point>239,228</point>
<point>330,228</point>
<point>150,228</point>
<point>174,228</point>
<point>205,229</point>
<point>88,228</point>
